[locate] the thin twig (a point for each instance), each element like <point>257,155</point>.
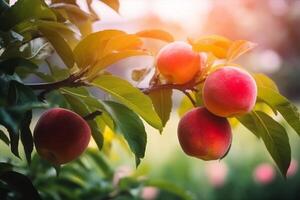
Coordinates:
<point>92,115</point>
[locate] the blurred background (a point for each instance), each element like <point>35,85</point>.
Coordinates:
<point>248,171</point>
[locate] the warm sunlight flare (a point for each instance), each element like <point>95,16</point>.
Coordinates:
<point>149,99</point>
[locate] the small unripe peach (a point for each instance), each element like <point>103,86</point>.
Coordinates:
<point>61,136</point>
<point>204,135</point>
<point>229,91</point>
<point>178,63</point>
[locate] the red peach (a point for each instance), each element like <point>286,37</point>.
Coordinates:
<point>204,135</point>
<point>178,63</point>
<point>229,91</point>
<point>61,136</point>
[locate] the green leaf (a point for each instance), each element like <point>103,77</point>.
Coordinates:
<point>26,135</point>
<point>8,66</point>
<point>11,122</point>
<point>66,30</point>
<point>81,108</point>
<point>162,102</point>
<point>21,99</point>
<point>130,96</point>
<point>100,160</point>
<point>97,134</point>
<point>3,6</point>
<point>171,188</point>
<point>21,184</point>
<point>275,138</point>
<point>114,57</point>
<point>114,4</point>
<point>4,82</point>
<point>89,50</point>
<point>76,15</point>
<point>278,102</point>
<point>156,34</point>
<point>249,121</point>
<point>60,45</point>
<point>9,38</point>
<point>4,137</point>
<point>25,10</point>
<point>130,125</point>
<point>20,94</point>
<point>4,166</point>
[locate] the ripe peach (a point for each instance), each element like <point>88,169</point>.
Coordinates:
<point>61,135</point>
<point>229,91</point>
<point>204,135</point>
<point>178,63</point>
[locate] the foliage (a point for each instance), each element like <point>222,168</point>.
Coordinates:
<point>29,40</point>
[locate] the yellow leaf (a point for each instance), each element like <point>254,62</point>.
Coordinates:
<point>233,122</point>
<point>185,105</point>
<point>261,106</point>
<point>89,50</point>
<point>215,44</point>
<point>238,48</point>
<point>122,42</point>
<point>265,81</point>
<point>156,34</point>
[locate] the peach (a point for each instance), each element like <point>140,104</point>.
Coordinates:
<point>178,63</point>
<point>229,91</point>
<point>61,136</point>
<point>204,135</point>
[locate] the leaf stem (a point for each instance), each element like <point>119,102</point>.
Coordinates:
<point>92,115</point>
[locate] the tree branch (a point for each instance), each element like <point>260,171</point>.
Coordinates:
<point>74,80</point>
<point>181,87</point>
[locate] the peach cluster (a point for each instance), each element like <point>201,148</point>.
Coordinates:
<point>204,132</point>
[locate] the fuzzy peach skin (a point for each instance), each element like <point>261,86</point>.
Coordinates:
<point>178,63</point>
<point>229,91</point>
<point>204,135</point>
<point>61,135</point>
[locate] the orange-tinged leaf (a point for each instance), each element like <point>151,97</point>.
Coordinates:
<point>156,34</point>
<point>122,42</point>
<point>90,49</point>
<point>215,44</point>
<point>238,48</point>
<point>114,4</point>
<point>216,39</point>
<point>217,51</point>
